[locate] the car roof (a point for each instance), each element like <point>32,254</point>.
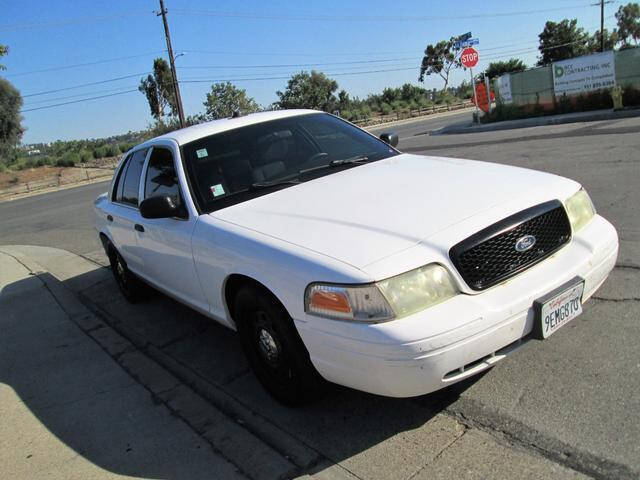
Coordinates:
<point>189,134</point>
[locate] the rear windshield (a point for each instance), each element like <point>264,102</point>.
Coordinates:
<point>226,168</point>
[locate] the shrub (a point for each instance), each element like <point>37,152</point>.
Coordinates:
<point>25,163</point>
<point>630,96</point>
<point>68,160</point>
<point>347,114</point>
<point>62,162</point>
<point>111,150</point>
<point>398,105</point>
<point>385,108</point>
<point>125,147</point>
<point>424,102</point>
<point>42,161</point>
<point>85,156</point>
<point>99,152</point>
<point>365,112</point>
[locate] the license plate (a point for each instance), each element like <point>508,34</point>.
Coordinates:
<point>558,308</point>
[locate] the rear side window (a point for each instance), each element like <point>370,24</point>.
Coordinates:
<point>117,186</point>
<point>129,184</point>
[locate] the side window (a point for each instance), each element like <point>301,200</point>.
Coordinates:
<point>161,178</point>
<point>116,193</point>
<point>131,179</point>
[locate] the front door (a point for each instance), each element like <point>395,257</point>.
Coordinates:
<point>166,242</point>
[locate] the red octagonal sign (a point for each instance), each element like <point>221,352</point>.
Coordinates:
<point>469,57</point>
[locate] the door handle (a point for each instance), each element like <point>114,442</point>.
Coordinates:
<point>139,227</point>
<point>110,218</point>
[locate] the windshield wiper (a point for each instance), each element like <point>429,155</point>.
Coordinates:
<point>277,183</point>
<point>337,163</point>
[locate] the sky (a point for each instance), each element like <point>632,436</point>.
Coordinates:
<point>366,45</point>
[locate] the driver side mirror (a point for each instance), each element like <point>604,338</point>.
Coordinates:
<point>389,138</point>
<point>162,206</point>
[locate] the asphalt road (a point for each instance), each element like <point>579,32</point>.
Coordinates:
<point>573,398</point>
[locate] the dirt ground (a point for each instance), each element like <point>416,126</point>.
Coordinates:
<point>10,178</point>
<point>51,174</point>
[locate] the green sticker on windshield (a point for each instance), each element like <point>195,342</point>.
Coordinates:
<point>217,190</point>
<point>202,153</point>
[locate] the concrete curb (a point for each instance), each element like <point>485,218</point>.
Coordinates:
<point>594,116</point>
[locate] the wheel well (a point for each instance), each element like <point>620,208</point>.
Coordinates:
<point>109,249</point>
<point>233,285</point>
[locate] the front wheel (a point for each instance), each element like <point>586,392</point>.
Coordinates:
<point>130,286</point>
<point>274,348</point>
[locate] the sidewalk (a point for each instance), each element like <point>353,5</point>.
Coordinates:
<point>593,116</point>
<point>188,406</point>
<point>69,410</point>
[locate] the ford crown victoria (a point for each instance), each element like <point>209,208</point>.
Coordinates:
<point>337,257</point>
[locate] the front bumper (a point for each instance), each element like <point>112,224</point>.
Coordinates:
<point>463,336</point>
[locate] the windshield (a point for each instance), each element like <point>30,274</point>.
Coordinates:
<point>236,165</point>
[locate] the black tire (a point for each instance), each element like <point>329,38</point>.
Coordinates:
<point>130,286</point>
<point>274,348</point>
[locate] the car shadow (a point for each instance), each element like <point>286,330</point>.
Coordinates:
<point>368,434</point>
<point>64,402</point>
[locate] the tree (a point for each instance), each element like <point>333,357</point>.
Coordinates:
<point>225,99</point>
<point>560,41</point>
<point>495,69</point>
<point>3,51</point>
<point>158,88</point>
<point>628,17</point>
<point>10,128</point>
<point>344,102</point>
<point>309,90</point>
<point>440,59</point>
<point>610,40</point>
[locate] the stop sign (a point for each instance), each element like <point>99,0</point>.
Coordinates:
<point>469,57</point>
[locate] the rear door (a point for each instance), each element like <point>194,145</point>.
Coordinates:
<point>166,242</point>
<point>124,209</point>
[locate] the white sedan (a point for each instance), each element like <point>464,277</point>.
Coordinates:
<point>336,257</point>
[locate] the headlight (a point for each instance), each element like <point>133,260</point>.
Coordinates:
<point>362,303</point>
<point>418,289</point>
<point>394,297</point>
<point>579,209</point>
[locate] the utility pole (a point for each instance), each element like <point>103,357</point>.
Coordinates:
<point>601,3</point>
<point>174,75</point>
<point>602,25</point>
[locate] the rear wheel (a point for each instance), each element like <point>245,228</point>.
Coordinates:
<point>274,348</point>
<point>130,286</point>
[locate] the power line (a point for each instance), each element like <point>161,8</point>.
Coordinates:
<point>333,74</point>
<point>77,101</point>
<point>86,84</point>
<point>367,18</point>
<point>38,102</point>
<point>250,76</point>
<point>299,54</point>
<point>291,65</point>
<point>86,64</point>
<point>71,21</point>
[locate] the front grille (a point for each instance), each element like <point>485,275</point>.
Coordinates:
<point>490,256</point>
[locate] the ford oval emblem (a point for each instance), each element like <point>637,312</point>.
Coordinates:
<point>525,243</point>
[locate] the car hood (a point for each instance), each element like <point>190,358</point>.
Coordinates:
<point>365,213</point>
